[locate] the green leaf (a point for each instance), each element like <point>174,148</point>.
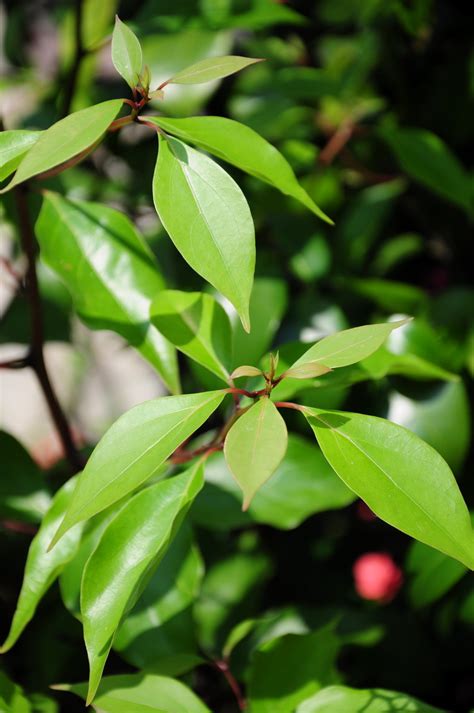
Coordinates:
<point>246,370</point>
<point>43,567</point>
<point>427,159</point>
<point>141,693</point>
<point>66,139</point>
<point>230,592</point>
<point>349,346</point>
<point>159,631</point>
<point>212,68</point>
<point>255,446</point>
<point>303,484</point>
<point>336,699</point>
<point>401,478</point>
<point>13,147</point>
<point>110,272</point>
<point>243,147</point>
<point>268,304</point>
<point>12,699</point>
<point>310,370</point>
<point>289,669</point>
<point>432,574</point>
<point>129,550</point>
<point>207,217</point>
<point>96,21</point>
<point>126,53</point>
<point>197,325</point>
<point>23,493</point>
<point>133,449</point>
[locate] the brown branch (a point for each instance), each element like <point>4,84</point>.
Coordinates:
<point>289,404</point>
<point>336,143</point>
<point>36,352</point>
<point>223,666</point>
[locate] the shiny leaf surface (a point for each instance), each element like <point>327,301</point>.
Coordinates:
<point>212,68</point>
<point>126,53</point>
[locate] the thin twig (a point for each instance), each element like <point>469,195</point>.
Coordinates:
<point>290,404</point>
<point>223,666</point>
<point>36,353</point>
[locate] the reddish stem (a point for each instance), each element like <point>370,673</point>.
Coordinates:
<point>289,404</point>
<point>223,667</point>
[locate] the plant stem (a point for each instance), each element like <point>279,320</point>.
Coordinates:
<point>289,404</point>
<point>79,55</point>
<point>223,666</point>
<point>36,353</point>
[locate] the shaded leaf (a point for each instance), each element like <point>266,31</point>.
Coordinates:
<point>129,550</point>
<point>207,217</point>
<point>109,271</point>
<point>66,139</point>
<point>243,147</point>
<point>197,325</point>
<point>133,449</point>
<point>432,574</point>
<point>255,446</point>
<point>336,699</point>
<point>43,567</point>
<point>401,478</point>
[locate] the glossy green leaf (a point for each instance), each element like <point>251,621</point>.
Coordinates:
<point>268,304</point>
<point>159,631</point>
<point>197,325</point>
<point>432,574</point>
<point>23,492</point>
<point>207,217</point>
<point>66,139</point>
<point>43,567</point>
<point>133,449</point>
<point>303,484</point>
<point>426,158</point>
<point>255,447</point>
<point>243,147</point>
<point>109,271</point>
<point>401,478</point>
<point>13,147</point>
<point>211,68</point>
<point>141,693</point>
<point>336,699</point>
<point>128,552</point>
<point>126,53</point>
<point>349,346</point>
<point>287,670</point>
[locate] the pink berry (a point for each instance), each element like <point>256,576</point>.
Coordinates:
<point>377,577</point>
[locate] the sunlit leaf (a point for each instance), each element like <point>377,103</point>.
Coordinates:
<point>212,68</point>
<point>126,53</point>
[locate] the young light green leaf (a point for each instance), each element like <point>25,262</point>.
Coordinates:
<point>211,68</point>
<point>13,147</point>
<point>246,370</point>
<point>309,370</point>
<point>349,346</point>
<point>401,478</point>
<point>243,147</point>
<point>129,551</point>
<point>133,449</point>
<point>336,699</point>
<point>207,217</point>
<point>255,446</point>
<point>140,693</point>
<point>197,325</point>
<point>66,139</point>
<point>43,567</point>
<point>126,53</point>
<point>109,271</point>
